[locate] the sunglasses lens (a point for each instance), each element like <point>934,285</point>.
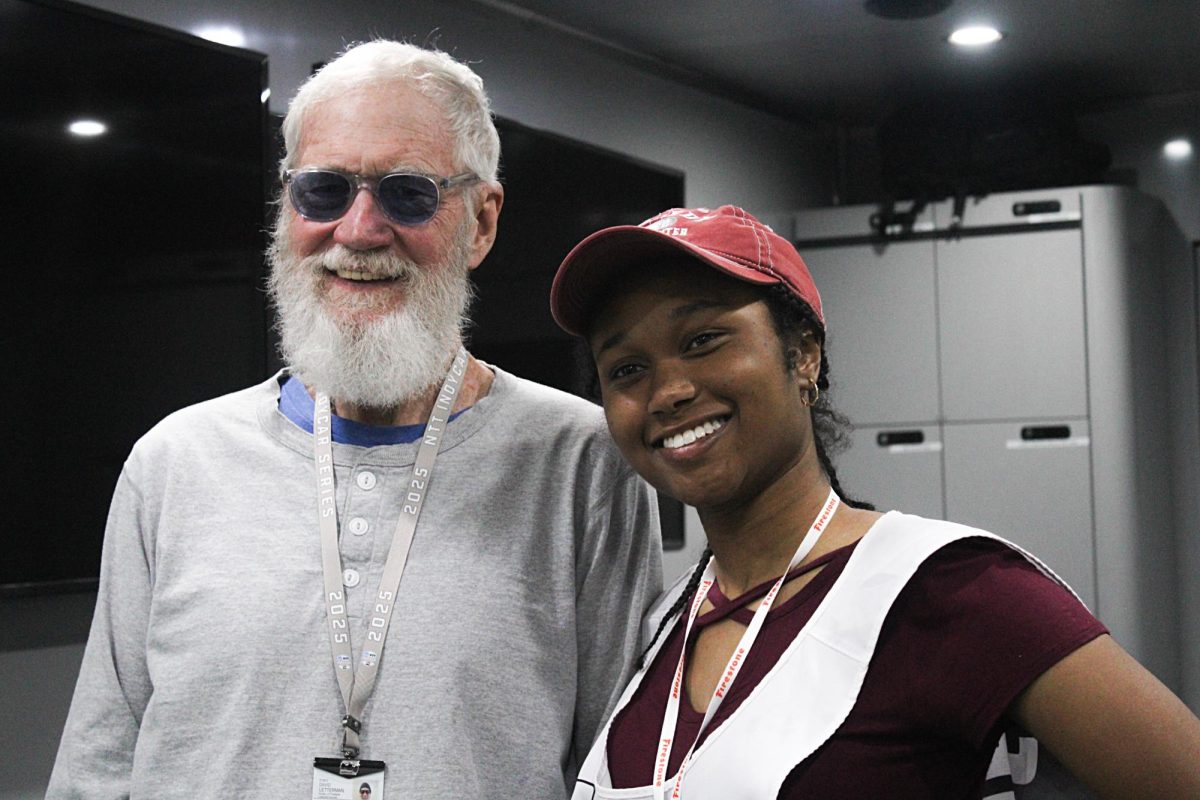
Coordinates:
<point>408,199</point>
<point>320,195</point>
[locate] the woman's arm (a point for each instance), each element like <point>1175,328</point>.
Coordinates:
<point>1114,725</point>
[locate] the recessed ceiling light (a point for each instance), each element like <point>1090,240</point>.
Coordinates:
<point>1177,149</point>
<point>222,34</point>
<point>975,36</point>
<point>87,127</point>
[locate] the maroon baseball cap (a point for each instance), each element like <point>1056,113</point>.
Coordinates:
<point>725,238</point>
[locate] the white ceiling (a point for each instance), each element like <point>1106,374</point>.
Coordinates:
<point>831,61</point>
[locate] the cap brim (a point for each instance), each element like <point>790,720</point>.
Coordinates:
<point>588,269</point>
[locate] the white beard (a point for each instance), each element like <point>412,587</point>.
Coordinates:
<point>379,363</point>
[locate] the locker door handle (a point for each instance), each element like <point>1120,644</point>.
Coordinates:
<point>889,438</point>
<point>1032,433</point>
<point>1036,207</point>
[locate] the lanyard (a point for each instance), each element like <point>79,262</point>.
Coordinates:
<point>671,717</point>
<point>356,685</point>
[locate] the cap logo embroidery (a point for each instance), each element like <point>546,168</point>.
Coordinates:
<point>666,225</point>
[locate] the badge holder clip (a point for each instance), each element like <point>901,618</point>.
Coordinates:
<point>351,725</point>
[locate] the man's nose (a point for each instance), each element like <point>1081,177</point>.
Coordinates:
<point>364,225</point>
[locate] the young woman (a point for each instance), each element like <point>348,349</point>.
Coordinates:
<point>822,649</point>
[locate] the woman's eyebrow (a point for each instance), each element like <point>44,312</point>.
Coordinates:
<point>679,312</point>
<point>611,341</point>
<point>691,308</point>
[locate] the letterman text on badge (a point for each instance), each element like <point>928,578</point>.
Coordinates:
<point>347,779</point>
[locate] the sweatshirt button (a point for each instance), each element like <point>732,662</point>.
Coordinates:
<point>366,480</point>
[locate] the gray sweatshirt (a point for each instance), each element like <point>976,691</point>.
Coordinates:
<point>208,671</point>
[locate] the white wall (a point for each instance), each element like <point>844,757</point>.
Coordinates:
<point>1135,133</point>
<point>41,645</point>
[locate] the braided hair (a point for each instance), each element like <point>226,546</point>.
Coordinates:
<point>793,319</point>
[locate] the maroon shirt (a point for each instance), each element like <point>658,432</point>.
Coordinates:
<point>975,625</point>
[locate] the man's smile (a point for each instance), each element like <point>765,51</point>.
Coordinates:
<point>351,275</point>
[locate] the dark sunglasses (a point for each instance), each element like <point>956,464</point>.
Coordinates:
<point>323,195</point>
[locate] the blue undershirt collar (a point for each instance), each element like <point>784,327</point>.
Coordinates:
<point>297,406</point>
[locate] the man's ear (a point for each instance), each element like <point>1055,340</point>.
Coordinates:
<point>487,217</point>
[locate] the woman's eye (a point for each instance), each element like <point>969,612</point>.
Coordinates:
<point>701,339</point>
<point>623,371</point>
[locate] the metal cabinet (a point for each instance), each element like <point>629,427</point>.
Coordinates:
<point>882,345</point>
<point>895,467</point>
<point>1032,346</point>
<point>1031,484</point>
<point>1010,325</point>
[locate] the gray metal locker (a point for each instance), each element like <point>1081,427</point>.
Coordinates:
<point>1011,325</point>
<point>886,338</point>
<point>1030,483</point>
<point>895,467</point>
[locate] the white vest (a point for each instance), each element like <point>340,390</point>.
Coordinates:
<point>820,672</point>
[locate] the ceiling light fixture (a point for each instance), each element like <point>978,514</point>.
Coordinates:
<point>1177,149</point>
<point>975,36</point>
<point>87,127</point>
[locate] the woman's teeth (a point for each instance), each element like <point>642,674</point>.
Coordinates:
<point>687,437</point>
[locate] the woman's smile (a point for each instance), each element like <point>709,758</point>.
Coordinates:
<point>691,434</point>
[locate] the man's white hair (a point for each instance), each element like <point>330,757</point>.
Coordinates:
<point>449,83</point>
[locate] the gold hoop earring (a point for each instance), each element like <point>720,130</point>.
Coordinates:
<point>811,393</point>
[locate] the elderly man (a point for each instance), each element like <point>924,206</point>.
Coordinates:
<point>390,552</point>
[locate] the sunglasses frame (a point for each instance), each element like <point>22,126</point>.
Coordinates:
<point>371,184</point>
